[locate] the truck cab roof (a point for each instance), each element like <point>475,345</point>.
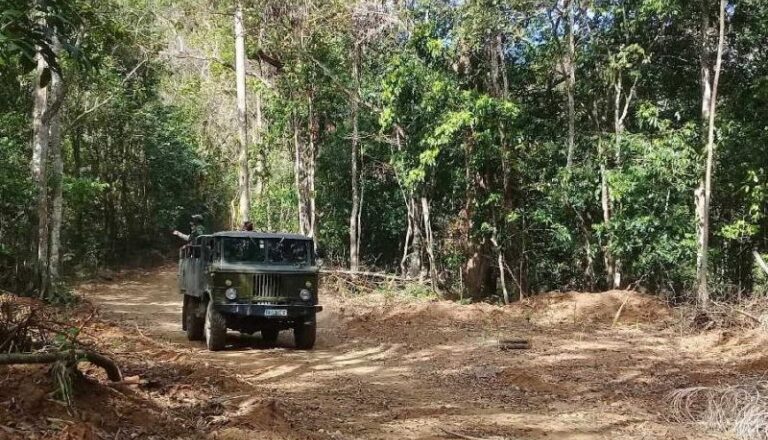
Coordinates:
<point>267,235</point>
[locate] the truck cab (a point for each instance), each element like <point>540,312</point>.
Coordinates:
<point>249,282</point>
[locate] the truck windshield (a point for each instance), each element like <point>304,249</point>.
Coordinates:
<point>266,250</point>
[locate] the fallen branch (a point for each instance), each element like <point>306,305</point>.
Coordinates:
<point>760,261</point>
<point>618,312</point>
<point>460,435</point>
<point>109,366</point>
<point>741,312</point>
<point>514,344</point>
<point>385,276</point>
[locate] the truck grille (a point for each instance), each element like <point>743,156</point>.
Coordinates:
<point>266,285</point>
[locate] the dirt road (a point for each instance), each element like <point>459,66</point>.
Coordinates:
<point>386,367</point>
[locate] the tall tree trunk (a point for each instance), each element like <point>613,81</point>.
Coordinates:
<point>39,165</point>
<point>57,94</point>
<point>415,258</point>
<point>304,170</point>
<point>476,272</point>
<point>261,154</point>
<point>605,204</point>
<point>411,262</point>
<point>311,162</point>
<point>299,172</point>
<point>618,127</point>
<point>408,234</point>
<point>571,85</point>
<point>709,106</point>
<point>259,167</point>
<point>244,180</point>
<point>429,244</point>
<point>354,215</point>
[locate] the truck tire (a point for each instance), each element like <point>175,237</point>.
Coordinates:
<point>304,335</point>
<point>270,335</point>
<point>193,324</point>
<point>215,329</point>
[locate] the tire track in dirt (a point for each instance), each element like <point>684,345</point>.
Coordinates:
<point>389,368</point>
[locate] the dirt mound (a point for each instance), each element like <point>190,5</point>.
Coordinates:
<point>257,419</point>
<point>597,308</point>
<point>437,313</point>
<point>549,309</point>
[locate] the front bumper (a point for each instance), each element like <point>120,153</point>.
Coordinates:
<point>260,310</point>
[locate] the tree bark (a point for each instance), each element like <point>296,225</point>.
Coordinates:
<point>112,370</point>
<point>259,167</point>
<point>703,193</point>
<point>57,93</point>
<point>501,265</point>
<point>39,166</point>
<point>571,85</point>
<point>354,216</point>
<point>429,243</point>
<point>614,270</point>
<point>244,181</point>
<point>261,159</point>
<point>415,261</point>
<point>304,170</point>
<point>310,161</point>
<point>299,176</point>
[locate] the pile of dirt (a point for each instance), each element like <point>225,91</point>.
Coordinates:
<point>166,393</point>
<point>255,418</point>
<point>378,320</point>
<point>597,308</point>
<point>748,346</point>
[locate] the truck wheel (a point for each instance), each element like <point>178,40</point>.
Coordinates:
<point>270,335</point>
<point>304,335</point>
<point>193,324</point>
<point>215,329</point>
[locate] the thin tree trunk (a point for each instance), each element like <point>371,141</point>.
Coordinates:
<point>310,167</point>
<point>244,181</point>
<point>407,241</point>
<point>415,263</point>
<point>404,269</point>
<point>360,212</point>
<point>57,93</point>
<point>260,165</point>
<point>704,192</point>
<point>299,175</point>
<point>571,85</point>
<point>354,216</point>
<point>502,65</point>
<point>502,274</point>
<point>605,204</point>
<point>39,165</point>
<point>618,126</point>
<point>430,243</point>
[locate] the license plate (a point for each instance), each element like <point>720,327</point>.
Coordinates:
<point>275,312</point>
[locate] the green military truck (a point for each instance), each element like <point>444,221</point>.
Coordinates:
<point>249,282</point>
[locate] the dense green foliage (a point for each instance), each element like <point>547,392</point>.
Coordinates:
<point>462,110</point>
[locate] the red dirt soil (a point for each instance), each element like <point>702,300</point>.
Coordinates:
<point>385,367</point>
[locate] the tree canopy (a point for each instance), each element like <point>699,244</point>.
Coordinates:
<point>496,148</point>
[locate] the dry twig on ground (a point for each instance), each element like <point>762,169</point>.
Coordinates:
<point>741,410</point>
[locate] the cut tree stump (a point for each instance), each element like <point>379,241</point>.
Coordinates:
<point>109,366</point>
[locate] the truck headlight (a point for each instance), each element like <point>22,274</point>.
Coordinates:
<point>305,295</point>
<point>231,293</point>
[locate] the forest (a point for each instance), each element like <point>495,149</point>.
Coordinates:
<point>492,149</point>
